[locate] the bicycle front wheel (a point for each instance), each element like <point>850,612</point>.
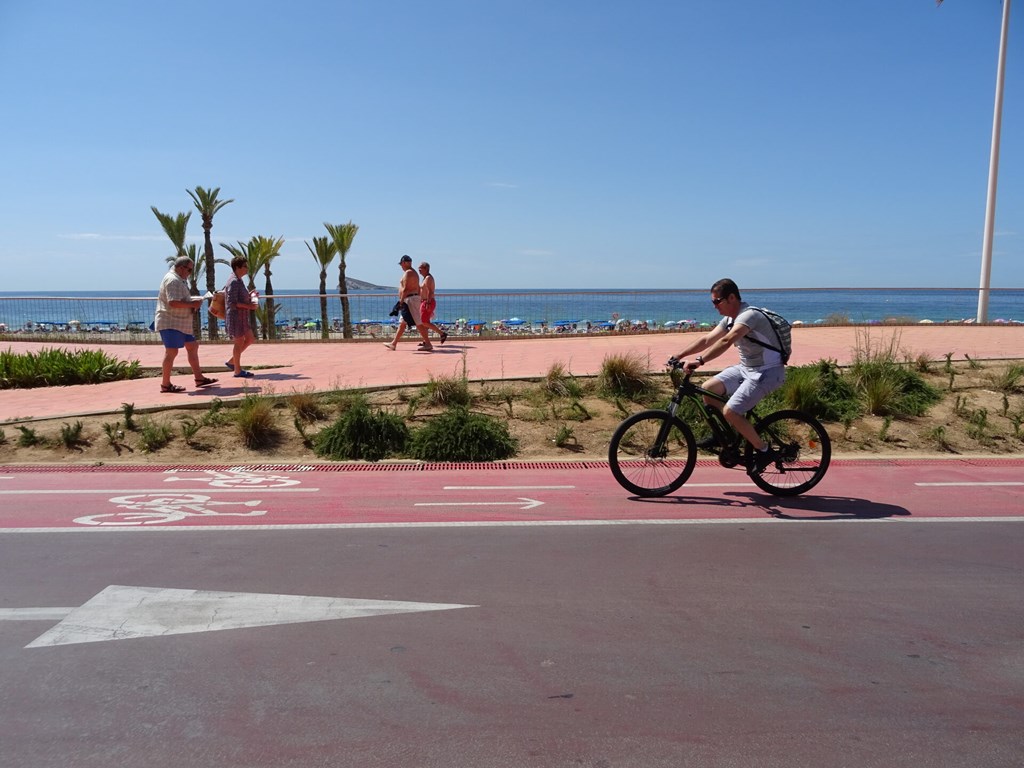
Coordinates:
<point>652,453</point>
<point>803,450</point>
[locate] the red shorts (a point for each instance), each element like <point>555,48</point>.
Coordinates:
<point>427,310</point>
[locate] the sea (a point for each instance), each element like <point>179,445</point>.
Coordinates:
<point>532,307</point>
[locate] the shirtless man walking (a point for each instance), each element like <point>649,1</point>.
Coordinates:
<point>409,294</point>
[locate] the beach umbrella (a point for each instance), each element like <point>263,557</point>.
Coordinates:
<point>926,321</point>
<point>797,322</point>
<point>514,321</point>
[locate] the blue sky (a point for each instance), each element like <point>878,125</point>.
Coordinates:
<point>515,143</point>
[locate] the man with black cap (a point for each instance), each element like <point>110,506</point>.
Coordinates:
<point>409,295</point>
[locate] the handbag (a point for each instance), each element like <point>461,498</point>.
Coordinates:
<point>217,305</point>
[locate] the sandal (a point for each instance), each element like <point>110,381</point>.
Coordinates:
<point>205,382</point>
<point>244,375</point>
<point>171,388</point>
<point>230,366</point>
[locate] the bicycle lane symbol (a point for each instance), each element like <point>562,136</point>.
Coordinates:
<point>157,508</point>
<point>232,478</point>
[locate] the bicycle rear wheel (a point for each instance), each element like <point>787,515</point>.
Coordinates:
<point>803,450</point>
<point>652,453</point>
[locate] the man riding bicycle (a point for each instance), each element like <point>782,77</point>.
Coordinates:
<point>760,371</point>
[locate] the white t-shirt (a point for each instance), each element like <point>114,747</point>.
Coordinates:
<point>754,355</point>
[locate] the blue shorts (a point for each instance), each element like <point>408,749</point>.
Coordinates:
<point>176,339</point>
<point>746,387</point>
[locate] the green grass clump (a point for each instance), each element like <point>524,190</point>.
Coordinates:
<point>458,435</point>
<point>71,436</point>
<point>29,437</point>
<point>819,389</point>
<point>1009,380</point>
<point>447,390</point>
<point>889,389</point>
<point>51,367</point>
<point>256,424</point>
<point>307,407</point>
<point>153,435</point>
<point>625,376</point>
<point>360,433</point>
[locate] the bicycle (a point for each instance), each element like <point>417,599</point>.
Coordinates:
<point>654,452</point>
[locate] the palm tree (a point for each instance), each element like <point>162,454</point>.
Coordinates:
<point>323,251</point>
<point>175,228</point>
<point>207,204</point>
<point>260,251</point>
<point>342,236</point>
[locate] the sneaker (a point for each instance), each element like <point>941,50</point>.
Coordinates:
<point>389,346</point>
<point>444,337</point>
<point>763,460</point>
<point>426,348</point>
<point>708,443</point>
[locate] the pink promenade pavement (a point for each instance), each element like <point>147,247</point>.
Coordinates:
<point>310,366</point>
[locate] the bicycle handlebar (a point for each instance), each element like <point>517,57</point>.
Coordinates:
<point>675,364</point>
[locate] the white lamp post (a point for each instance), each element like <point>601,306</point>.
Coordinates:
<point>993,173</point>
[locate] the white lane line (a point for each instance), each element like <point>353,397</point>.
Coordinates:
<point>508,487</point>
<point>969,485</point>
<point>161,491</point>
<point>518,524</point>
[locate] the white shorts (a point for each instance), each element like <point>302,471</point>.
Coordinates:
<point>746,387</point>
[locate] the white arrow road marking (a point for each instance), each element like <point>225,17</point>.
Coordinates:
<point>34,614</point>
<point>946,485</point>
<point>124,613</point>
<point>522,503</point>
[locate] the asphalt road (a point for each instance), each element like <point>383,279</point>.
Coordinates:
<point>876,622</point>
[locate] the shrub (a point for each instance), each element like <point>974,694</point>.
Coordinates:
<point>1009,380</point>
<point>360,433</point>
<point>214,415</point>
<point>114,435</point>
<point>447,390</point>
<point>554,381</point>
<point>255,421</point>
<point>190,428</point>
<point>458,435</point>
<point>71,435</point>
<point>625,376</point>
<point>564,436</point>
<point>128,409</point>
<point>57,367</point>
<point>28,437</point>
<point>307,407</point>
<point>819,389</point>
<point>889,389</point>
<point>153,436</point>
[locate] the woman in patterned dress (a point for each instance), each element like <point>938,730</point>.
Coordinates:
<point>238,303</point>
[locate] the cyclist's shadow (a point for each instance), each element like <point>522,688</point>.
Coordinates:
<point>822,507</point>
<point>796,507</point>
